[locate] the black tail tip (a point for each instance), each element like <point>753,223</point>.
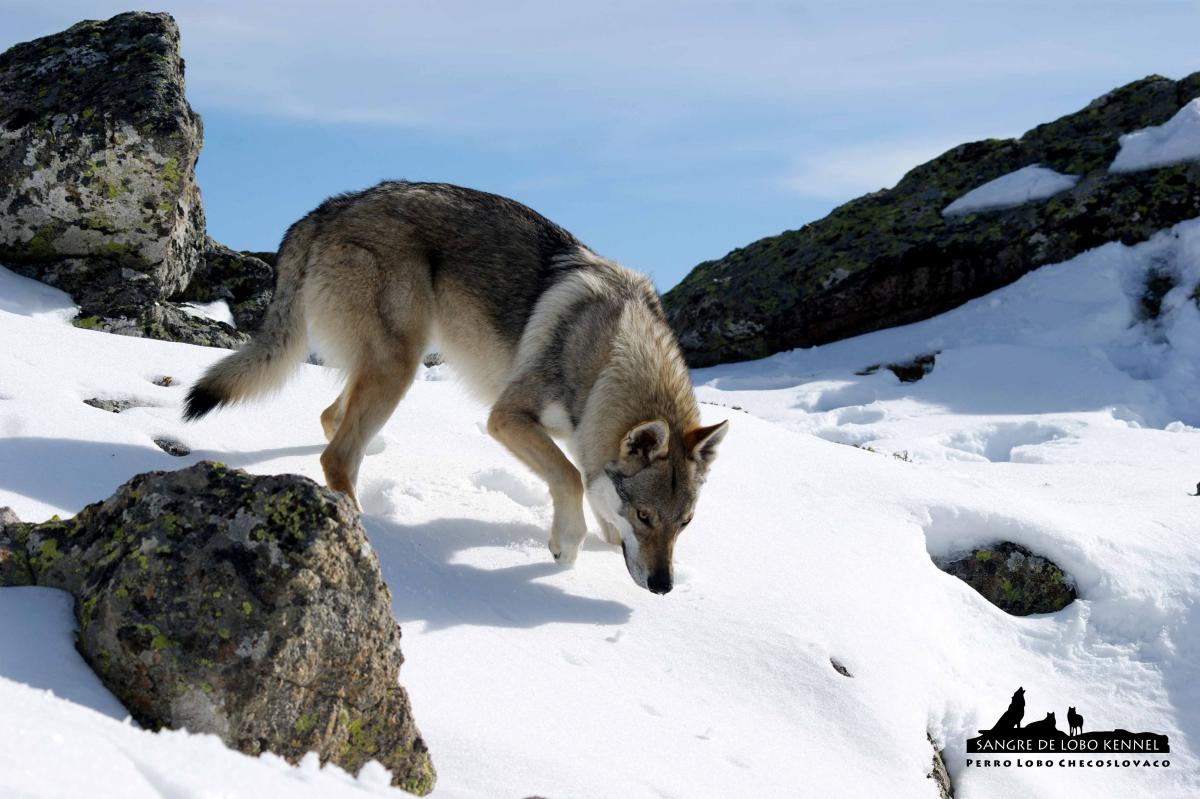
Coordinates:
<point>200,400</point>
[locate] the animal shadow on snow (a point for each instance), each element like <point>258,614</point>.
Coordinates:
<point>418,563</point>
<point>69,473</point>
<point>417,560</point>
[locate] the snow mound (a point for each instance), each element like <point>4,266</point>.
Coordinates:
<point>1177,139</point>
<point>1058,414</point>
<point>1025,185</point>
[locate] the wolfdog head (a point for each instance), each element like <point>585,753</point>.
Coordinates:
<point>650,494</point>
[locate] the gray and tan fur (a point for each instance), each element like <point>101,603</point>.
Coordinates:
<point>559,341</point>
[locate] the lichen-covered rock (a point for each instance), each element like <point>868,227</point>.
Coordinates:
<point>166,321</point>
<point>14,562</point>
<point>1013,579</point>
<point>891,258</point>
<point>243,280</point>
<point>97,153</point>
<point>248,607</point>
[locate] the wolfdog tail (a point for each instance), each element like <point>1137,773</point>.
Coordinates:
<point>276,349</point>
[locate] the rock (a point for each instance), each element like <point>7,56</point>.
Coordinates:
<point>267,258</point>
<point>891,257</point>
<point>98,194</point>
<point>907,371</point>
<point>97,154</point>
<point>248,607</point>
<point>14,562</point>
<point>1013,579</point>
<point>114,405</point>
<point>243,280</point>
<point>172,447</point>
<point>165,321</point>
<point>939,774</point>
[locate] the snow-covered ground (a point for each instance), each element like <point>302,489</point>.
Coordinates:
<point>1027,184</point>
<point>1055,416</point>
<point>1177,139</point>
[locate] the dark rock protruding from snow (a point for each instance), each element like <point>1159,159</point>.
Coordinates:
<point>248,607</point>
<point>939,773</point>
<point>1013,579</point>
<point>114,405</point>
<point>891,257</point>
<point>14,562</point>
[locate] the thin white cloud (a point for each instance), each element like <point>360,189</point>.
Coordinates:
<point>521,68</point>
<point>841,173</point>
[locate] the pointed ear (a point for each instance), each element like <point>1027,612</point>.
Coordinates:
<point>701,442</point>
<point>645,442</point>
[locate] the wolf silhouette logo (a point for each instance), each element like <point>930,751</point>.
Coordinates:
<point>1011,718</point>
<point>1047,726</point>
<point>1075,721</point>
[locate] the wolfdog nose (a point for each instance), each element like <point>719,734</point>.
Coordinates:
<point>659,582</point>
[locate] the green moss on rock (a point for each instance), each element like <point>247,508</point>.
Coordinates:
<point>1013,579</point>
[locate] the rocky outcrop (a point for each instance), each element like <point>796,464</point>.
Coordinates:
<point>1013,579</point>
<point>242,280</point>
<point>248,607</point>
<point>97,150</point>
<point>891,257</point>
<point>98,194</point>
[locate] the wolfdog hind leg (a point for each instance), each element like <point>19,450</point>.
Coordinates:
<point>370,397</point>
<point>331,417</point>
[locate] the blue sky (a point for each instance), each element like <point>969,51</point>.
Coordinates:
<point>661,133</point>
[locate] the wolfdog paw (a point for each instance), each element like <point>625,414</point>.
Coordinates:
<point>566,539</point>
<point>564,554</point>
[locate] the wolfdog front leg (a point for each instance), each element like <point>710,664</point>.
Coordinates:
<point>518,429</point>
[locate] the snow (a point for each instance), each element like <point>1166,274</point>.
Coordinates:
<point>1026,184</point>
<point>1177,139</point>
<point>1054,417</point>
<point>217,310</point>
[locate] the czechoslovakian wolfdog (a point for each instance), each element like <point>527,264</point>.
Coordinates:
<point>559,341</point>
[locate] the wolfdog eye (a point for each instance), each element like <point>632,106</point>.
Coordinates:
<point>643,517</point>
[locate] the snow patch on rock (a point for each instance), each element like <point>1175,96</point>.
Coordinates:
<point>1025,185</point>
<point>1177,139</point>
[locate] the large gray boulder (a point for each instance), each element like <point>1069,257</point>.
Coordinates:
<point>891,257</point>
<point>248,607</point>
<point>98,194</point>
<point>98,147</point>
